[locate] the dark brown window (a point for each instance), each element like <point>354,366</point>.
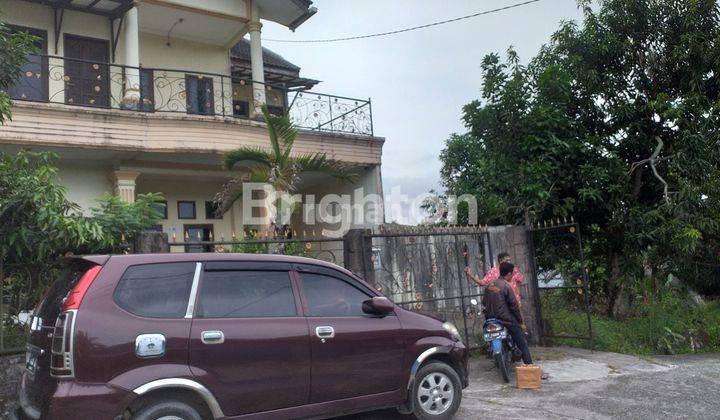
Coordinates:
<point>162,208</point>
<point>212,210</point>
<point>32,84</point>
<point>199,95</point>
<point>147,90</point>
<point>186,210</point>
<point>86,71</point>
<point>246,294</point>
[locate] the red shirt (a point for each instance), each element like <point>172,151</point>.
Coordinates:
<point>515,282</point>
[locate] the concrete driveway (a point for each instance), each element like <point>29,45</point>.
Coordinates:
<point>593,385</point>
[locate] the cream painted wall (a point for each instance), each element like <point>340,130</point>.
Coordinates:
<point>231,7</point>
<point>85,184</point>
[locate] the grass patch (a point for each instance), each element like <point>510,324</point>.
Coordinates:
<point>667,327</point>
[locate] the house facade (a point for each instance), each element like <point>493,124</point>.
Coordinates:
<point>140,96</point>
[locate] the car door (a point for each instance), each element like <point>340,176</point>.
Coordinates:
<point>353,353</point>
<point>249,343</point>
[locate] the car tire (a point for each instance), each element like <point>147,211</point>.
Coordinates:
<point>169,409</point>
<point>437,392</point>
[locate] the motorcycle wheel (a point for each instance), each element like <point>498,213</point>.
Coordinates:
<point>502,365</point>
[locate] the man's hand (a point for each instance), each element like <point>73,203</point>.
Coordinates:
<point>523,327</point>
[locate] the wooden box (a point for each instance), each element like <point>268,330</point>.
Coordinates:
<point>528,376</point>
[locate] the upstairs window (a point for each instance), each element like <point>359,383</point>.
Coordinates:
<point>199,95</point>
<point>32,84</point>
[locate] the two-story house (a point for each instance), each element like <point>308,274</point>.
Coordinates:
<point>144,96</point>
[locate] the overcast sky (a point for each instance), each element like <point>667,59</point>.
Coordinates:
<point>418,81</point>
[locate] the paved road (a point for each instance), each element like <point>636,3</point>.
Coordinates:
<point>585,385</point>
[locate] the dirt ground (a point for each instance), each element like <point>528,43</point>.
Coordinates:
<point>593,385</point>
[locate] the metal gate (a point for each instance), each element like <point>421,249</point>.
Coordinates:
<point>424,270</point>
<point>560,281</point>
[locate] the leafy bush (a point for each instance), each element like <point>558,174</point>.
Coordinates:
<point>40,225</point>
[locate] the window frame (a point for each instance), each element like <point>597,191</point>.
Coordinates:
<point>163,213</point>
<point>194,204</point>
<point>44,61</point>
<point>212,215</point>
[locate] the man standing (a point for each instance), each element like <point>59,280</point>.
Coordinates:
<point>494,273</point>
<point>499,302</point>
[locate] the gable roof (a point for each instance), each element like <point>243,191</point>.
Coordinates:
<point>277,68</point>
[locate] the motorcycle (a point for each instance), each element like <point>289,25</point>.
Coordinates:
<point>502,347</point>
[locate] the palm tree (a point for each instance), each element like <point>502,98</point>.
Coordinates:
<point>276,167</point>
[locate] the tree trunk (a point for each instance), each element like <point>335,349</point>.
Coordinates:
<point>613,288</point>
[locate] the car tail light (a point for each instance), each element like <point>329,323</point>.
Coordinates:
<point>493,328</point>
<point>61,357</point>
<point>75,296</point>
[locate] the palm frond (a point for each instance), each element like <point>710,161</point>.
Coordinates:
<point>318,162</point>
<point>282,133</point>
<point>247,154</point>
<point>233,189</point>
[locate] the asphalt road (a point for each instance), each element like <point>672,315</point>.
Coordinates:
<point>594,385</point>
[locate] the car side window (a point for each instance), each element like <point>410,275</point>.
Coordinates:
<point>246,294</point>
<point>331,296</point>
<point>156,290</point>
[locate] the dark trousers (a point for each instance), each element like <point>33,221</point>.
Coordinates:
<point>519,338</point>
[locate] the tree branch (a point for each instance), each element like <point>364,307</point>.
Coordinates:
<point>653,160</point>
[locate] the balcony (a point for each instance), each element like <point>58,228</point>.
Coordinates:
<point>91,84</point>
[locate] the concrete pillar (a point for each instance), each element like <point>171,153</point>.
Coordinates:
<point>357,253</point>
<point>256,61</point>
<point>151,242</point>
<point>125,185</point>
<point>131,58</point>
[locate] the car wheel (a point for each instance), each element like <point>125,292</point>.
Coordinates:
<point>167,410</point>
<point>437,392</point>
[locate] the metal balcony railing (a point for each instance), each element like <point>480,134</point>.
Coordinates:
<point>86,83</point>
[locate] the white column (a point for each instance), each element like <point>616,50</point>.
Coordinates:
<point>131,58</point>
<point>256,60</point>
<point>125,185</point>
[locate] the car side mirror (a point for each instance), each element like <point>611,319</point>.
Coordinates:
<point>378,305</point>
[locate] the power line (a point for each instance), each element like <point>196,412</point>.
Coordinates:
<point>350,38</point>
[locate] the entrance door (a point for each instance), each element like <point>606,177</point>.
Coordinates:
<point>86,71</point>
<point>198,233</point>
<point>353,354</point>
<point>249,343</point>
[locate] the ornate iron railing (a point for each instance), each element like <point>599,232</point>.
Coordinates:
<point>78,82</point>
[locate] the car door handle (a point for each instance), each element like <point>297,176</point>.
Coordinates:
<point>212,337</point>
<point>324,332</point>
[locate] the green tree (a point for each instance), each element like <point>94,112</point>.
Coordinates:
<point>14,48</point>
<point>616,122</point>
<point>40,225</point>
<point>277,167</point>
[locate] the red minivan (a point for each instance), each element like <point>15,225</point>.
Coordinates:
<point>208,336</point>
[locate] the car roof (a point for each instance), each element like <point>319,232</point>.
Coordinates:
<point>212,256</point>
